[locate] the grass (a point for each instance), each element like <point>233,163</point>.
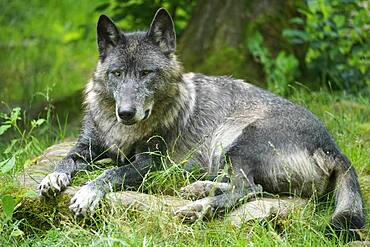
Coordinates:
<point>347,118</point>
<point>58,51</point>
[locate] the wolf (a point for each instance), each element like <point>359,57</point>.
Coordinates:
<point>141,107</point>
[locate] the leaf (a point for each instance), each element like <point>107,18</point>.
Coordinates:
<point>8,205</point>
<point>7,165</point>
<point>339,20</point>
<point>297,20</point>
<point>295,33</point>
<point>9,148</point>
<point>4,128</point>
<point>38,122</point>
<point>15,115</point>
<point>17,233</point>
<point>31,194</point>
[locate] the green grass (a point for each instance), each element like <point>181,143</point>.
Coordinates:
<point>347,118</point>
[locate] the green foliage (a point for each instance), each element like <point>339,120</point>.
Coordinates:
<point>22,144</point>
<point>23,139</point>
<point>337,34</point>
<point>7,165</point>
<point>45,44</point>
<point>137,14</point>
<point>8,205</point>
<point>279,71</point>
<point>224,61</point>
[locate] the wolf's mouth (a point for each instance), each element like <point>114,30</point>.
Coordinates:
<point>131,122</point>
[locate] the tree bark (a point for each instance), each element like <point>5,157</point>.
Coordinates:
<point>215,39</point>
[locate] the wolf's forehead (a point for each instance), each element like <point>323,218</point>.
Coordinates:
<point>132,45</point>
<point>134,42</point>
<point>136,52</point>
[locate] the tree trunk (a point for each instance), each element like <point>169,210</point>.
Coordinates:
<point>215,40</point>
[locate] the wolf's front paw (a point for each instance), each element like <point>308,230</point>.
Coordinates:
<point>54,183</point>
<point>86,199</point>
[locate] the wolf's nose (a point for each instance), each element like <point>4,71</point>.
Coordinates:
<point>127,114</point>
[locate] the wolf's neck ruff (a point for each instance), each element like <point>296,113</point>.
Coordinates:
<point>181,105</point>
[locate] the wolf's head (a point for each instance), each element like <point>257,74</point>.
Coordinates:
<point>137,70</point>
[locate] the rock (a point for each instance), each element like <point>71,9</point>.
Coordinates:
<point>359,244</point>
<point>143,202</point>
<point>257,209</point>
<point>264,208</point>
<point>32,175</point>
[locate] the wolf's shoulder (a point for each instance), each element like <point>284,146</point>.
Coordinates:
<point>227,88</point>
<point>229,85</point>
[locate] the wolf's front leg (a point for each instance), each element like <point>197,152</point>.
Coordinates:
<point>78,158</point>
<point>87,198</point>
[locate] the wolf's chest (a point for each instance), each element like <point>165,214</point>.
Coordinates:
<point>119,138</point>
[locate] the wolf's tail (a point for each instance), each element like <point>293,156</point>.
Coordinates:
<point>348,214</point>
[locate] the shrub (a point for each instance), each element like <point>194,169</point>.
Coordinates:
<point>337,34</point>
<point>279,71</point>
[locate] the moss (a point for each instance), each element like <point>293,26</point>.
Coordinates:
<point>224,62</point>
<point>41,214</point>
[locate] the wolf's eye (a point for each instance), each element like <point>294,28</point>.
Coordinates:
<point>146,72</point>
<point>117,73</point>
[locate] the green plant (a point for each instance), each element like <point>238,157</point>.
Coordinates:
<point>138,14</point>
<point>279,71</point>
<point>337,34</point>
<point>20,144</point>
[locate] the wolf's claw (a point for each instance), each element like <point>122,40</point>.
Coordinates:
<point>54,183</point>
<point>85,200</point>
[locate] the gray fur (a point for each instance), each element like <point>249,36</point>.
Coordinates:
<point>269,141</point>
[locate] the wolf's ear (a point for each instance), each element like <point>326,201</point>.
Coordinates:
<point>108,34</point>
<point>162,31</point>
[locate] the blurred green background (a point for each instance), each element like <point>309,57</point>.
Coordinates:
<point>48,49</point>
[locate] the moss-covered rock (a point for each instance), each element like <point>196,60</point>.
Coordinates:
<point>40,214</point>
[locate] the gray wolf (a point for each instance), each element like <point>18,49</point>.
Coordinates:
<point>139,92</point>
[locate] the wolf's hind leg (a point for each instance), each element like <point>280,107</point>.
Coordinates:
<point>209,206</point>
<point>202,189</point>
